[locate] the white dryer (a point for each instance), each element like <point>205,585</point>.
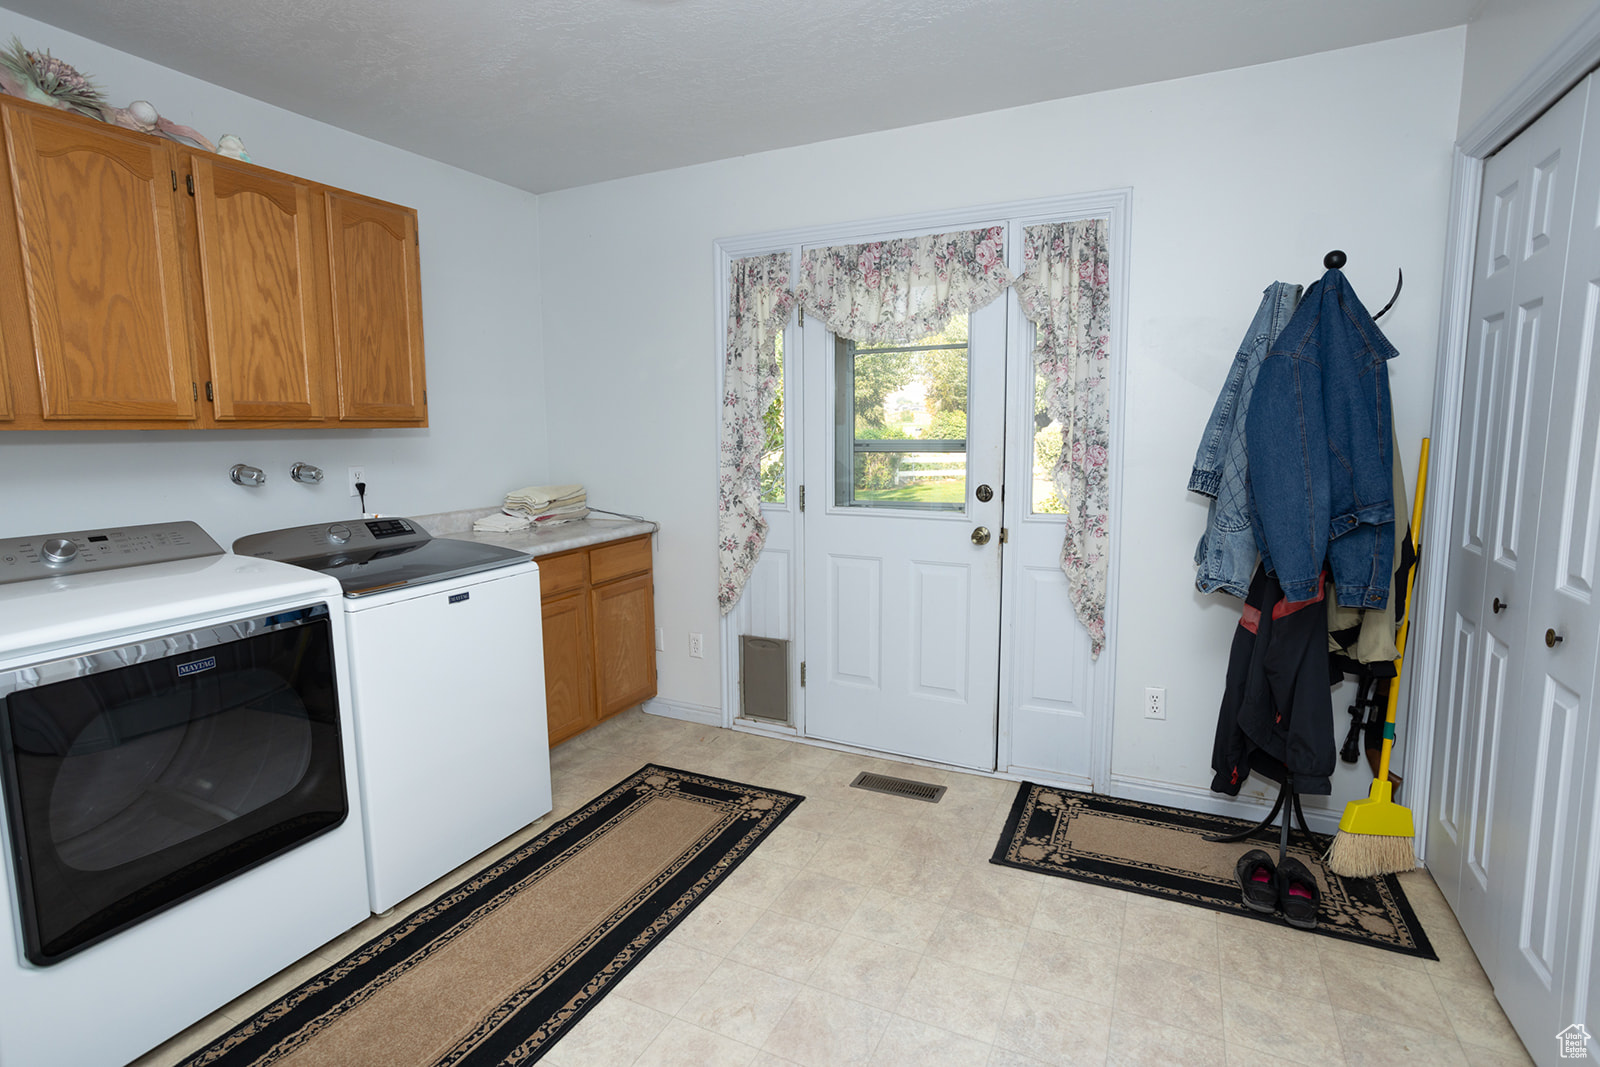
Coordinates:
<point>447,671</point>
<point>178,763</point>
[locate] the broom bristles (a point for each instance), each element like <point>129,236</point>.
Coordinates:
<point>1369,855</point>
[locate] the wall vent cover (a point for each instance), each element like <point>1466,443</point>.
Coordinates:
<point>898,787</point>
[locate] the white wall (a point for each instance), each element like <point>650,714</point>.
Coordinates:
<point>1504,42</point>
<point>1239,178</point>
<point>481,300</point>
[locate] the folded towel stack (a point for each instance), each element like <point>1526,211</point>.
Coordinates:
<point>547,505</point>
<point>502,522</point>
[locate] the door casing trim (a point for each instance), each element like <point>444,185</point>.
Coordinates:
<point>1115,204</point>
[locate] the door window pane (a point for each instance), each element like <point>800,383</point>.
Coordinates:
<point>1046,449</point>
<point>772,465</point>
<point>900,422</point>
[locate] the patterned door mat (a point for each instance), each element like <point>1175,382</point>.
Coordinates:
<point>1162,852</point>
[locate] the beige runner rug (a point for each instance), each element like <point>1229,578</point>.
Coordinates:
<point>498,968</point>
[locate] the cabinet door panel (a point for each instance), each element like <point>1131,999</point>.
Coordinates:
<point>569,696</point>
<point>258,285</point>
<point>98,234</point>
<point>377,310</point>
<point>624,643</point>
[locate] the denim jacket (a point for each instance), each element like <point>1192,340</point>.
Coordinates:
<point>1226,554</point>
<point>1319,435</point>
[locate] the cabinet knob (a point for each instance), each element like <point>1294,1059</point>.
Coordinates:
<point>1552,639</point>
<point>1500,605</point>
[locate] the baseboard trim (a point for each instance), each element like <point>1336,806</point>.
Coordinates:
<point>1321,819</point>
<point>1078,783</point>
<point>677,709</point>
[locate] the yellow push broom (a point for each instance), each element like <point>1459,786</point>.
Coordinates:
<point>1375,834</point>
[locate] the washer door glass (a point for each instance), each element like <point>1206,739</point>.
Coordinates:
<point>139,776</point>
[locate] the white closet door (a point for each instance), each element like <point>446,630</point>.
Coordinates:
<point>1548,748</point>
<point>1481,800</point>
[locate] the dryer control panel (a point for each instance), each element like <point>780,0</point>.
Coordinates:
<point>88,551</point>
<point>300,543</point>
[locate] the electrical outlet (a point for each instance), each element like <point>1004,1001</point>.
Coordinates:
<point>697,645</point>
<point>661,639</point>
<point>1155,702</point>
<point>357,474</point>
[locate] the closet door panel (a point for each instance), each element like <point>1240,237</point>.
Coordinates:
<point>1538,956</point>
<point>1516,317</point>
<point>1459,738</point>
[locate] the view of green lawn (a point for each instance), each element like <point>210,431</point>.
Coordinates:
<point>929,491</point>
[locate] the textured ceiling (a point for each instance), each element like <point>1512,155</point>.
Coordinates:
<point>546,94</point>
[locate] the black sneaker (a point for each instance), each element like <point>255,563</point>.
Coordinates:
<point>1298,894</point>
<point>1258,882</point>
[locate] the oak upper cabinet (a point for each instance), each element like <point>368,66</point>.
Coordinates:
<point>96,257</point>
<point>377,310</point>
<point>260,314</point>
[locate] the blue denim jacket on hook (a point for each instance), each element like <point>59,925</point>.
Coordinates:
<point>1319,435</point>
<point>1226,554</point>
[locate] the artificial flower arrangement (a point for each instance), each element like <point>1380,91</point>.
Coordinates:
<point>44,79</point>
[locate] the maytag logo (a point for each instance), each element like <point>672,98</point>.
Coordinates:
<point>197,666</point>
<point>456,598</point>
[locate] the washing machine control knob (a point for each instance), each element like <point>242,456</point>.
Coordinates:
<point>60,550</point>
<point>338,533</point>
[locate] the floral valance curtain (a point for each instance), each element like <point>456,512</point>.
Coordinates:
<point>759,302</point>
<point>1065,292</point>
<point>902,290</point>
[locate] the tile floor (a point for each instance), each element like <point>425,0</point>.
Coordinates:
<point>873,930</point>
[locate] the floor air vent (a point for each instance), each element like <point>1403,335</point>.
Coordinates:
<point>898,787</point>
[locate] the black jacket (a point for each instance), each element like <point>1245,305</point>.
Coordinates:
<point>1277,708</point>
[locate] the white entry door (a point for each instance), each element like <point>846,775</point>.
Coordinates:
<point>903,457</point>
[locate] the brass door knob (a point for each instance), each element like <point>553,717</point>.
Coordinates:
<point>1500,605</point>
<point>980,536</point>
<point>1551,639</point>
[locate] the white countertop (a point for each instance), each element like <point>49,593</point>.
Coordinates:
<point>544,541</point>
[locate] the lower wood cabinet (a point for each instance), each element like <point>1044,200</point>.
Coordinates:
<point>599,633</point>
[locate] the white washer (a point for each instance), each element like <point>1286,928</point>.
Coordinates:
<point>447,673</point>
<point>132,986</point>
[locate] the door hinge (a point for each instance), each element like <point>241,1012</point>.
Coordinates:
<point>194,387</point>
<point>802,498</point>
<point>802,312</point>
<point>209,395</point>
<point>802,674</point>
<point>1004,535</point>
<point>188,179</point>
<point>174,181</point>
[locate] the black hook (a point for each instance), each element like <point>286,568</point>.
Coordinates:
<point>1399,283</point>
<point>1336,259</point>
